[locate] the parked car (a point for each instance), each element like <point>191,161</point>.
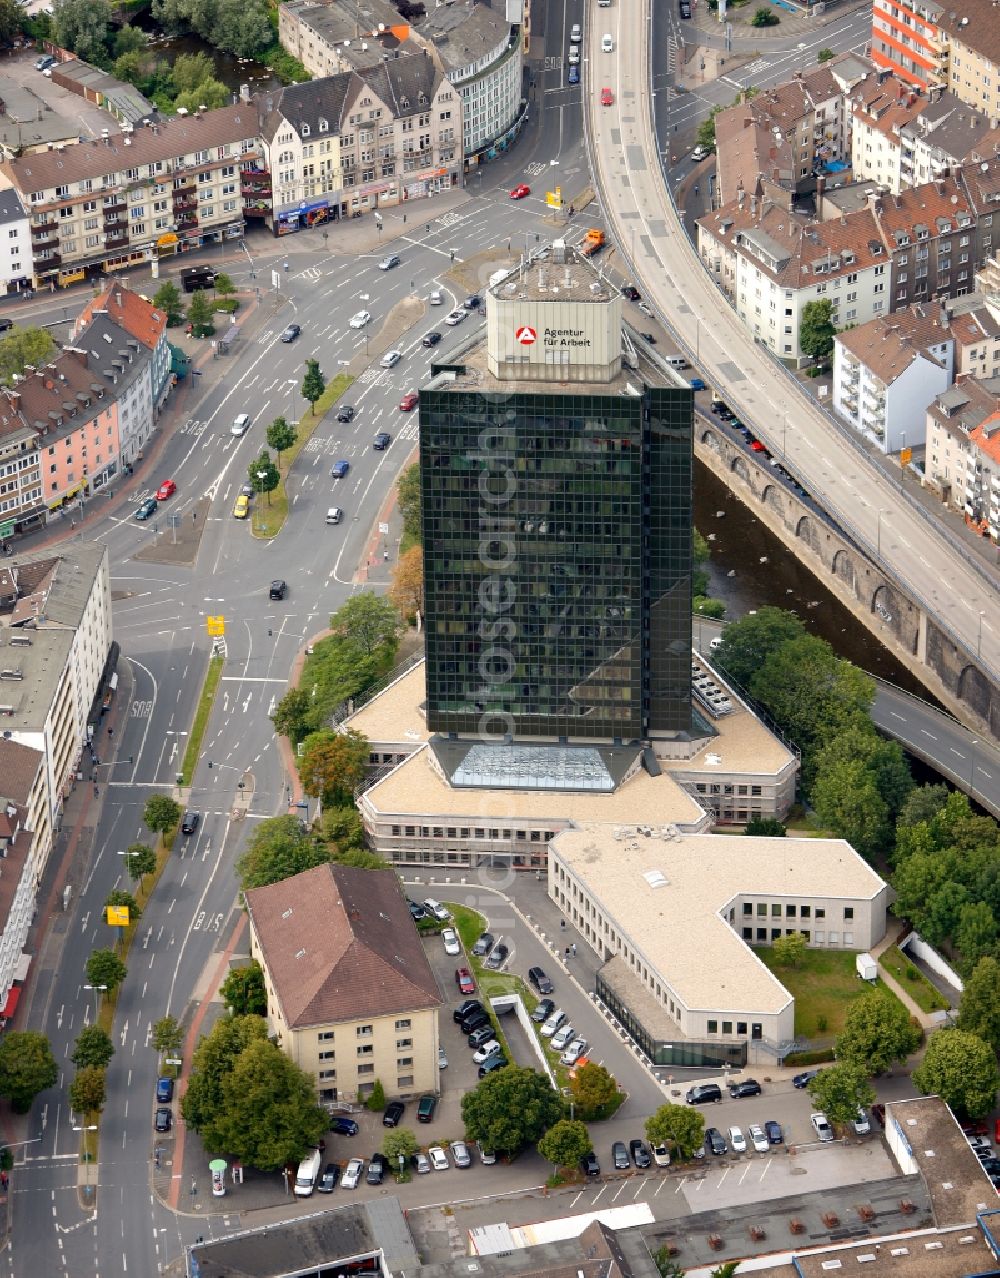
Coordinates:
<point>661,1155</point>
<point>589,1164</point>
<point>632,293</point>
<point>878,1113</point>
<point>748,1087</point>
<point>164,1091</point>
<point>805,1078</point>
<point>473,302</point>
<point>758,1138</point>
<point>539,980</point>
<point>619,1156</point>
<point>442,1058</point>
<point>574,1050</point>
<point>436,908</point>
<point>496,1061</point>
<point>697,384</point>
<point>291,333</point>
<point>737,1140</point>
<point>392,1114</point>
<point>704,1094</point>
<point>163,1120</point>
<point>474,1021</point>
<point>498,956</point>
<point>464,981</point>
<point>417,911</point>
<point>327,1182</point>
<point>640,1154</point>
<point>714,1143</point>
<point>543,1011</point>
<point>562,1037</point>
<point>482,1035</point>
<point>700,152</point>
<point>774,1133</point>
<point>439,1159</point>
<point>483,945</point>
<point>343,1126</point>
<point>487,1156</point>
<point>464,1009</point>
<point>862,1126</point>
<point>460,1153</point>
<point>556,1019</point>
<point>821,1126</point>
<point>352,1173</point>
<point>426,1107</point>
<point>420,1163</point>
<point>345,413</point>
<point>377,1168</point>
<point>486,1051</point>
<point>449,938</point>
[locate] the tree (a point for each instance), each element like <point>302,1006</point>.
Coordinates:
<point>962,1070</point>
<point>224,285</point>
<point>764,17</point>
<point>666,1266</point>
<point>705,135</point>
<point>211,94</point>
<point>511,1108</point>
<point>167,1036</point>
<point>88,1090</point>
<point>243,991</point>
<point>790,950</point>
<point>280,436</point>
<point>593,1090</point>
<point>979,1010</point>
<point>408,497</point>
<point>200,313</point>
<point>399,1141</point>
<point>342,827</point>
<point>93,1047</point>
<point>840,1090</point>
<point>129,39</point>
<point>190,70</point>
<point>140,860</point>
<point>247,1097</point>
<point>264,475</point>
<point>677,1126</point>
<point>407,589</point>
<point>242,27</point>
<point>565,1143</point>
<point>376,1099</point>
<point>923,804</point>
<point>290,715</point>
<point>764,828</point>
<point>167,297</point>
<point>877,1033</point>
<point>817,329</point>
<point>976,934</point>
<point>11,18</point>
<point>825,55</point>
<point>161,814</point>
<point>846,800</point>
<point>23,348</point>
<point>313,384</point>
<point>333,764</point>
<point>883,761</point>
<point>27,1067</point>
<point>368,622</point>
<point>82,27</point>
<point>120,897</point>
<point>748,642</point>
<point>104,967</point>
<point>276,850</point>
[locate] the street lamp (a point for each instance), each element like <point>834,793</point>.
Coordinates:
<point>94,989</point>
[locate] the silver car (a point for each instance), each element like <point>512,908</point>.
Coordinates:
<point>352,1173</point>
<point>460,1153</point>
<point>390,359</point>
<point>421,1163</point>
<point>359,319</point>
<point>562,1038</point>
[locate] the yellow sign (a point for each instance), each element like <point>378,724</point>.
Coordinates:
<point>165,240</point>
<point>554,198</point>
<point>215,625</point>
<point>905,456</point>
<point>117,915</point>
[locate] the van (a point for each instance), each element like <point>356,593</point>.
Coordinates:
<point>196,277</point>
<point>677,361</point>
<point>334,515</point>
<point>308,1174</point>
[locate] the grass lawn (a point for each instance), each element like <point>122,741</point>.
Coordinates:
<point>913,981</point>
<point>208,692</point>
<point>824,986</point>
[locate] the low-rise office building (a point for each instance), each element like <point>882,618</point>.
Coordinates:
<point>351,996</point>
<point>673,917</point>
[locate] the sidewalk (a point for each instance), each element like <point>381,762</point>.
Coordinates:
<point>793,20</point>
<point>928,1022</point>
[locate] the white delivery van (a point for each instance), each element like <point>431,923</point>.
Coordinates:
<point>867,967</point>
<point>308,1174</point>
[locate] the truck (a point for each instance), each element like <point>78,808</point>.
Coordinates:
<point>593,242</point>
<point>866,966</point>
<point>308,1174</point>
<point>196,277</point>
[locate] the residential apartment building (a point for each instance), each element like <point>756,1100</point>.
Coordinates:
<point>25,844</point>
<point>55,632</point>
<point>881,109</point>
<point>331,38</point>
<point>15,244</point>
<point>946,46</point>
<point>907,38</point>
<point>139,319</point>
<point>931,235</point>
<point>351,996</point>
<point>156,189</point>
<point>940,137</point>
<point>962,458</point>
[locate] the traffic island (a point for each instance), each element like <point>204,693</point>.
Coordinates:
<point>175,538</point>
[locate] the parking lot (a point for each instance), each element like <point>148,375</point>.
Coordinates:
<point>83,119</point>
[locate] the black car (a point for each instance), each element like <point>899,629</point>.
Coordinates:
<point>147,508</point>
<point>640,1154</point>
<point>704,1094</point>
<point>342,1126</point>
<point>540,981</point>
<point>345,413</point>
<point>543,1011</point>
<point>619,1156</point>
<point>377,1169</point>
<point>472,303</point>
<point>498,957</point>
<point>684,8</point>
<point>190,822</point>
<point>381,441</point>
<point>417,911</point>
<point>466,1009</point>
<point>589,1164</point>
<point>474,1021</point>
<point>748,1087</point>
<point>648,337</point>
<point>431,339</point>
<point>714,1142</point>
<point>632,293</point>
<point>163,1120</point>
<point>164,1090</point>
<point>773,1132</point>
<point>277,589</point>
<point>991,1165</point>
<point>481,1034</point>
<point>495,1062</point>
<point>291,333</point>
<point>327,1183</point>
<point>483,945</point>
<point>393,1113</point>
<point>805,1078</point>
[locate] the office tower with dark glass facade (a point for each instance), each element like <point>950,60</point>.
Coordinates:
<point>557,522</point>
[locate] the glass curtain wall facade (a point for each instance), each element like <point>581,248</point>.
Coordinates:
<point>557,565</point>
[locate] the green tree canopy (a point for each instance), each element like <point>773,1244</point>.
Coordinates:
<point>210,94</point>
<point>291,715</point>
<point>376,1098</point>
<point>408,496</point>
<point>168,296</point>
<point>368,623</point>
<point>765,828</point>
<point>243,991</point>
<point>129,39</point>
<point>333,764</point>
<point>224,285</point>
<point>104,967</point>
<point>140,860</point>
<point>962,1070</point>
<point>11,19</point>
<point>975,934</point>
<point>263,474</point>
<point>846,799</point>
<point>313,384</point>
<point>877,1033</point>
<point>168,1037</point>
<point>679,1127</point>
<point>817,329</point>
<point>192,69</point>
<point>27,1067</point>
<point>242,27</point>
<point>825,55</point>
<point>88,1090</point>
<point>923,804</point>
<point>93,1047</point>
<point>565,1143</point>
<point>213,1061</point>
<point>82,27</point>
<point>748,642</point>
<point>161,813</point>
<point>593,1090</point>
<point>25,347</point>
<point>840,1090</point>
<point>200,313</point>
<point>790,950</point>
<point>882,760</point>
<point>342,827</point>
<point>511,1108</point>
<point>979,1010</point>
<point>705,135</point>
<point>280,436</point>
<point>276,850</point>
<point>399,1140</point>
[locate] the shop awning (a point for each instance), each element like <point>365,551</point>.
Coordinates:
<point>10,1007</point>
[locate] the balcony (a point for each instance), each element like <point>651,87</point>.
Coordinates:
<point>116,239</point>
<point>186,217</point>
<point>114,221</point>
<point>185,202</point>
<point>46,227</point>
<point>47,265</point>
<point>114,206</point>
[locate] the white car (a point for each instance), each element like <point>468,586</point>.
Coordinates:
<point>574,55</point>
<point>359,319</point>
<point>737,1141</point>
<point>484,1053</point>
<point>439,1159</point>
<point>487,1155</point>
<point>391,358</point>
<point>661,1156</point>
<point>352,1173</point>
<point>607,44</point>
<point>758,1138</point>
<point>700,152</point>
<point>862,1126</point>
<point>553,1023</point>
<point>435,299</point>
<point>242,424</point>
<point>451,943</point>
<point>821,1126</point>
<point>573,1052</point>
<point>562,1037</point>
<point>436,908</point>
<point>455,317</point>
<point>442,1058</point>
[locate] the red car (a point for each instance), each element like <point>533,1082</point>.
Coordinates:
<point>409,402</point>
<point>607,98</point>
<point>757,446</point>
<point>165,490</point>
<point>464,981</point>
<point>520,191</point>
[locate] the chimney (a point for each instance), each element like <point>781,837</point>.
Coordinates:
<point>753,206</point>
<point>943,315</point>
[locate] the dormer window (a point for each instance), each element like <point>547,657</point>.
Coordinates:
<point>404,104</point>
<point>323,125</point>
<point>304,130</point>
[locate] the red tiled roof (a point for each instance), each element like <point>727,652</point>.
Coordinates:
<point>139,318</point>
